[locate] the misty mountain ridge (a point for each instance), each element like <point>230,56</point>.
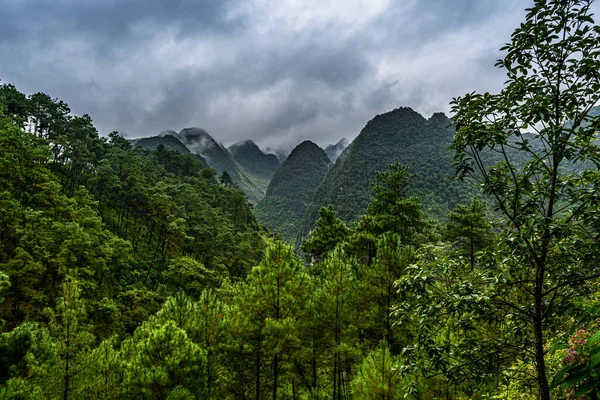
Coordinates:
<point>247,154</point>
<point>170,142</point>
<point>333,151</point>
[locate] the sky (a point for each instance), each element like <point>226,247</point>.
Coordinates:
<point>273,71</point>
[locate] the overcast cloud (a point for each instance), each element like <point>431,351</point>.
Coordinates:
<point>275,71</point>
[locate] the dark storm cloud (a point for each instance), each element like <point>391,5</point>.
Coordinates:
<point>104,21</point>
<point>277,72</point>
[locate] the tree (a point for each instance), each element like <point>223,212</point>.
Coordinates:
<point>336,308</point>
<point>329,231</point>
<point>378,295</point>
<point>226,179</point>
<point>379,376</point>
<point>392,209</point>
<point>550,213</point>
<point>272,304</point>
<point>468,229</point>
<point>63,375</point>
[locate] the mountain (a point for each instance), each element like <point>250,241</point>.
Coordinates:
<point>291,189</point>
<point>170,142</point>
<point>198,141</point>
<point>335,150</point>
<point>253,159</point>
<point>399,135</point>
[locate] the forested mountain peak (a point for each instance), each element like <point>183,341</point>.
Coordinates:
<point>169,142</point>
<point>198,140</point>
<point>440,118</point>
<point>305,146</point>
<point>401,135</point>
<point>247,154</point>
<point>168,132</point>
<point>292,188</point>
<point>247,144</point>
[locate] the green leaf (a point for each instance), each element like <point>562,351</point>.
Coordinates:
<point>573,379</point>
<point>594,339</point>
<point>583,390</point>
<point>560,375</point>
<point>595,360</point>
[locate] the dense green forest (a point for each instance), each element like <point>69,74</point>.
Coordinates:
<point>136,273</point>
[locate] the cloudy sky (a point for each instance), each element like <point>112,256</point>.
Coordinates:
<point>275,71</point>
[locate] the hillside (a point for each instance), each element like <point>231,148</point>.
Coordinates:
<point>170,142</point>
<point>247,154</point>
<point>198,141</point>
<point>399,135</point>
<point>292,188</point>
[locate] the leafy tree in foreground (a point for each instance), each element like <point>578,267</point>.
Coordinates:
<point>553,80</point>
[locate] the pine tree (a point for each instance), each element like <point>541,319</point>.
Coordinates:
<point>328,232</point>
<point>468,229</point>
<point>273,303</point>
<point>379,376</point>
<point>336,304</point>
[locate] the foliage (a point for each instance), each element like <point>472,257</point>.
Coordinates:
<point>552,68</point>
<point>135,273</point>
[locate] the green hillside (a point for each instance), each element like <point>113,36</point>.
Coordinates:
<point>292,188</point>
<point>169,142</point>
<point>247,154</point>
<point>198,141</point>
<point>399,135</point>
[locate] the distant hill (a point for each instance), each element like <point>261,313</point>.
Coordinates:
<point>335,150</point>
<point>247,154</point>
<point>168,141</point>
<point>399,135</point>
<point>198,141</point>
<point>291,190</point>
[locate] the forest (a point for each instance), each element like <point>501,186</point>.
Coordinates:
<point>128,272</point>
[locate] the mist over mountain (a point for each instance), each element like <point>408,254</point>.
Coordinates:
<point>291,189</point>
<point>247,154</point>
<point>335,150</point>
<point>280,152</point>
<point>198,141</point>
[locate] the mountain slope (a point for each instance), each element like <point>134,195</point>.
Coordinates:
<point>170,142</point>
<point>399,135</point>
<point>291,189</point>
<point>198,141</point>
<point>335,150</point>
<point>253,159</point>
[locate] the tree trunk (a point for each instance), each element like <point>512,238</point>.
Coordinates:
<point>540,363</point>
<point>275,376</point>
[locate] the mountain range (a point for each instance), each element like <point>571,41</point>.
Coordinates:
<point>288,190</point>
